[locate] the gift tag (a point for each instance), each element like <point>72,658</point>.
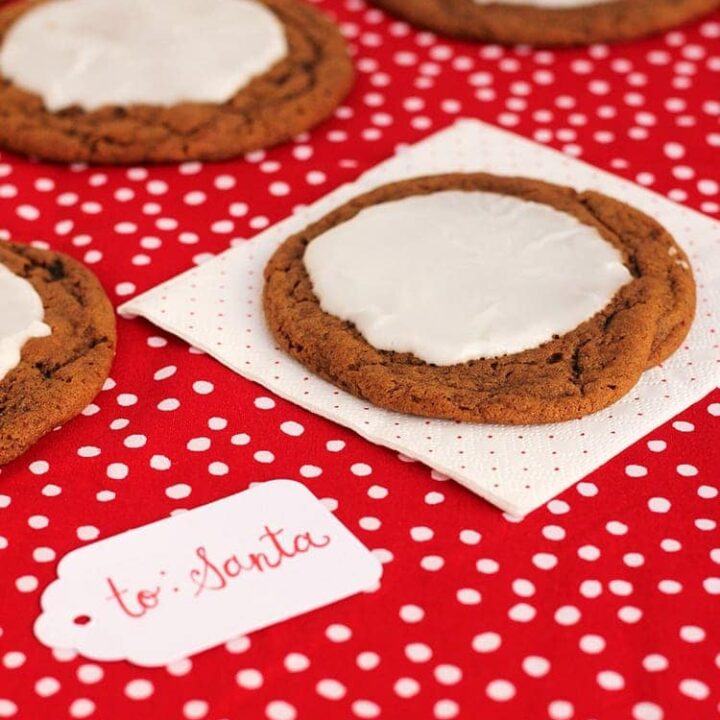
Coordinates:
<point>187,583</point>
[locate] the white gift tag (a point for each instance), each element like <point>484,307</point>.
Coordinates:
<point>187,583</point>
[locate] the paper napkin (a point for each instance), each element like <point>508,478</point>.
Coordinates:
<point>217,307</point>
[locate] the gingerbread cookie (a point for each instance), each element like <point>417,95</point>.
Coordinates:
<point>180,80</point>
<point>57,341</point>
<point>481,298</point>
<point>549,22</point>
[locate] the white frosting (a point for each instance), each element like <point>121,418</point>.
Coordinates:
<point>123,52</point>
<point>553,4</point>
<point>21,318</point>
<point>454,276</point>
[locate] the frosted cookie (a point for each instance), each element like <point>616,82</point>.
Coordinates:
<point>549,22</point>
<point>481,298</point>
<point>57,341</point>
<point>125,81</point>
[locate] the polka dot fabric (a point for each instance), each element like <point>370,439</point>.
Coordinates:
<point>602,604</point>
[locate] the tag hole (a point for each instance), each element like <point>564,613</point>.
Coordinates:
<point>82,619</point>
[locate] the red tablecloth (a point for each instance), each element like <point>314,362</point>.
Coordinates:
<point>604,604</point>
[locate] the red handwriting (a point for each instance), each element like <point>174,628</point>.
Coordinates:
<point>215,575</point>
<point>136,607</point>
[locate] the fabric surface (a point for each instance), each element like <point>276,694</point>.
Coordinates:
<point>603,604</point>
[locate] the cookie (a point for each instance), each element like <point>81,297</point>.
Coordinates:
<point>290,60</point>
<point>643,290</point>
<point>59,373</point>
<point>549,22</point>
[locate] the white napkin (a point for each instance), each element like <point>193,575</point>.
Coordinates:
<point>515,468</point>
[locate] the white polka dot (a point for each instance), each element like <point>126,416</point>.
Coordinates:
<point>89,673</point>
<point>296,662</point>
<point>418,652</point>
<point>360,469</point>
<point>636,471</point>
<point>588,552</point>
<point>82,708</point>
<point>659,504</point>
<point>633,559</point>
<point>655,662</point>
<point>135,441</point>
<point>264,456</point>
<point>313,471</point>
<point>249,678</point>
<point>486,642</point>
<point>561,710</point>
<point>377,492</point>
<point>592,644</point>
<point>470,537</point>
<point>294,429</point>
<point>367,660</point>
<point>39,467</point>
<point>45,687</point>
<point>331,689</point>
<point>178,491</point>
<point>38,522</point>
<point>567,615</point>
<point>536,666</point>
<point>522,612</point>
<point>264,403</point>
<point>590,588</point>
<point>238,645</point>
<point>406,687</point>
<point>468,596</point>
<point>87,532</point>
<point>445,709</point>
<point>338,633</point>
<point>203,387</point>
<point>629,614</point>
<point>218,469</point>
<point>26,583</point>
<point>117,471</point>
<point>199,444</point>
<point>647,711</point>
<point>160,462</point>
<point>411,613</point>
<point>693,688</point>
<point>432,563</point>
<point>692,633</point>
<point>139,689</point>
<point>615,527</point>
<point>447,674</point>
<point>434,498</point>
<point>687,470</point>
<point>179,667</point>
<point>500,690</point>
<point>587,489</point>
<point>13,659</point>
<point>365,709</point>
<point>523,587</point>
<point>610,680</point>
<point>544,561</point>
<point>195,709</point>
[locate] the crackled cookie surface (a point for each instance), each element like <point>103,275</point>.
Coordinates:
<point>521,302</point>
<point>549,22</point>
<point>123,81</point>
<point>61,365</point>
